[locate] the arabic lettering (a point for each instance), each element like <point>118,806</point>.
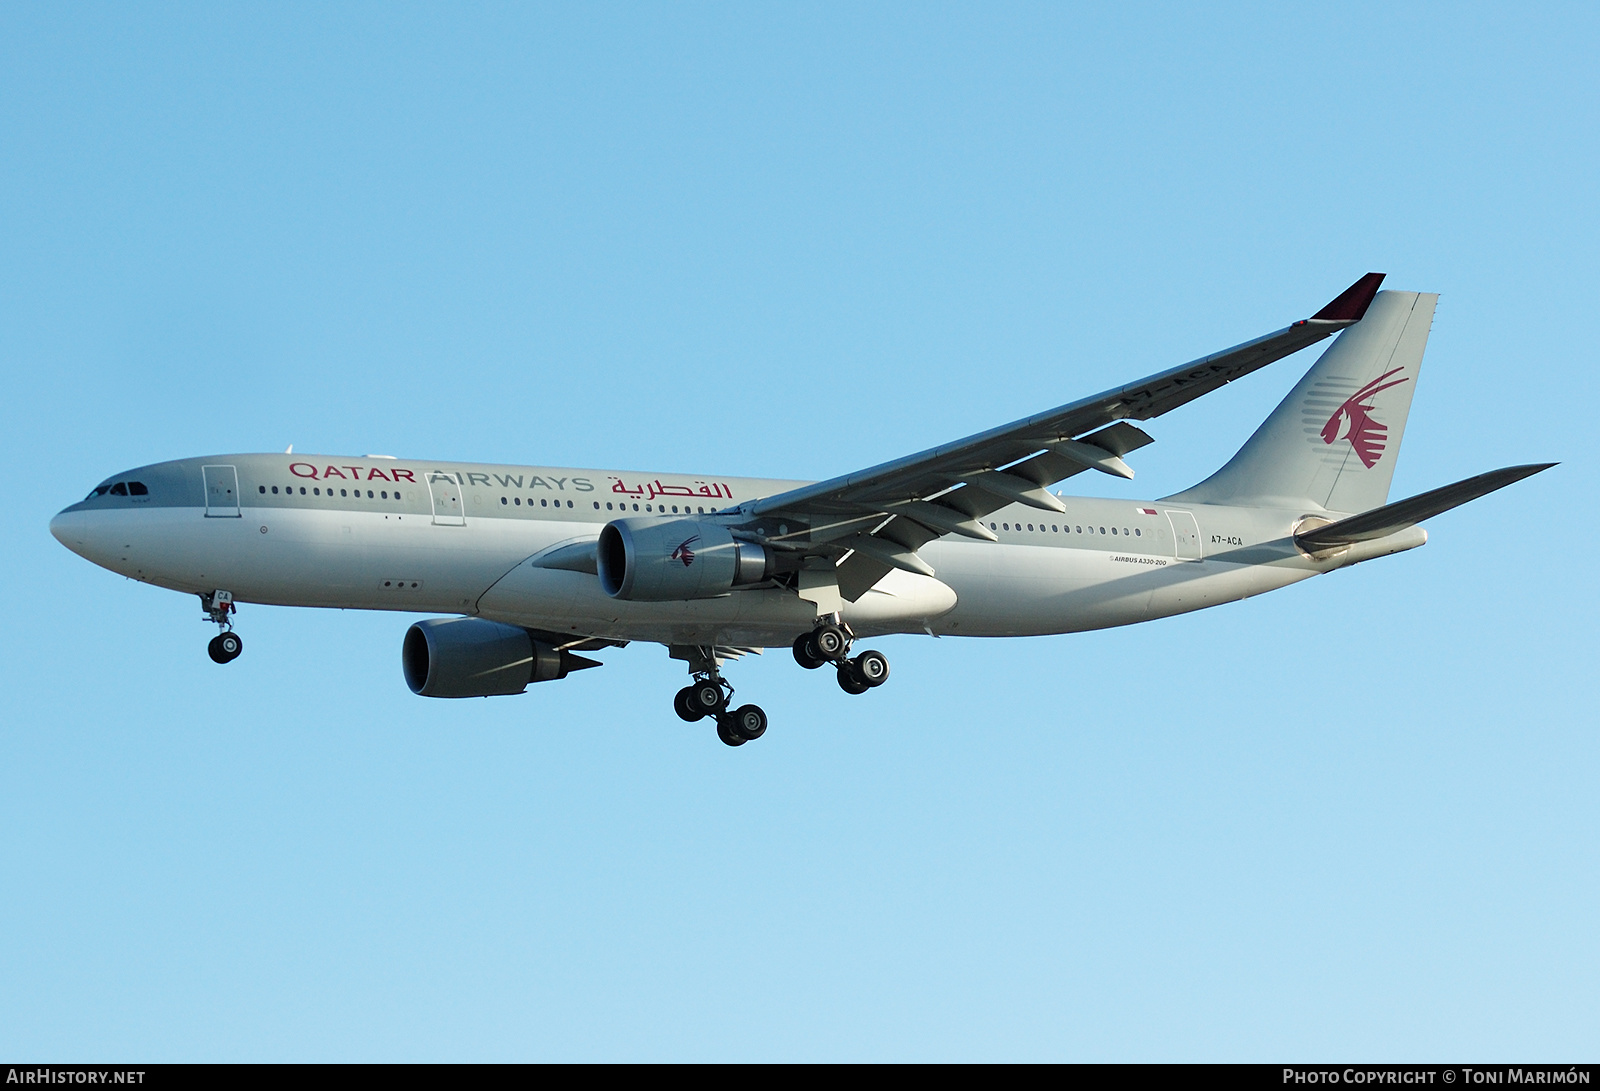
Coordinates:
<point>650,490</point>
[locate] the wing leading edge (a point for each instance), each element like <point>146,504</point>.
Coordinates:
<point>876,519</point>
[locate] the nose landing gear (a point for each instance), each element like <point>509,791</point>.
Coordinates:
<point>226,646</point>
<point>830,642</point>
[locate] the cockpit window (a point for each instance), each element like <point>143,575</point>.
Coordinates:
<point>99,490</point>
<point>136,488</point>
<point>119,489</point>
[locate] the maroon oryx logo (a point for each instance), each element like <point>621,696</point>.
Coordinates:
<point>684,553</point>
<point>1353,421</point>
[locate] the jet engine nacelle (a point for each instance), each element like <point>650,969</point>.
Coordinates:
<point>471,657</point>
<point>653,560</point>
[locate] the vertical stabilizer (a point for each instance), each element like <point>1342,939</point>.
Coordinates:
<point>1334,440</point>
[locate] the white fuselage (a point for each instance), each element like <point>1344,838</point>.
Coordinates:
<point>286,530</point>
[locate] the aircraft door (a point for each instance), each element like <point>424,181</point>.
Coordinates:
<point>222,491</point>
<point>448,510</point>
<point>1185,536</point>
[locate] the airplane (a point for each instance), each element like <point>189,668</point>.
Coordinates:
<point>535,565</point>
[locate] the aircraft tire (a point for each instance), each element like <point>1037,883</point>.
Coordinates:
<point>707,698</point>
<point>750,721</point>
<point>830,641</point>
<point>225,647</point>
<point>806,654</point>
<point>849,681</point>
<point>872,667</point>
<point>728,731</point>
<point>683,705</point>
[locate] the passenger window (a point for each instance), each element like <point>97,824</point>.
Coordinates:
<point>504,501</point>
<point>1113,530</point>
<point>597,505</point>
<point>1102,530</point>
<point>119,489</point>
<point>1138,532</point>
<point>608,505</point>
<point>261,488</point>
<point>369,494</point>
<point>341,492</point>
<point>274,490</point>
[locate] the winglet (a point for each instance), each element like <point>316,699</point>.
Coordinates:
<point>1353,301</point>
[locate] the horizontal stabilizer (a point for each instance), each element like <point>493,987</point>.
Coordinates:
<point>1384,521</point>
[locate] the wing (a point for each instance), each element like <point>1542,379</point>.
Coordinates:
<point>876,519</point>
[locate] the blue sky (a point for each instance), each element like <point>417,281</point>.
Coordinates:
<point>1355,818</point>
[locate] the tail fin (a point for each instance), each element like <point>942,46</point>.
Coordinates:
<point>1334,440</point>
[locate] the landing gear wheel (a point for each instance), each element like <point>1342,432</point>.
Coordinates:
<point>750,722</point>
<point>706,698</point>
<point>830,641</point>
<point>683,704</point>
<point>849,681</point>
<point>872,668</point>
<point>806,654</point>
<point>225,647</point>
<point>728,731</point>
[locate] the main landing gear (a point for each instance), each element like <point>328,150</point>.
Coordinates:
<point>226,646</point>
<point>830,642</point>
<point>710,695</point>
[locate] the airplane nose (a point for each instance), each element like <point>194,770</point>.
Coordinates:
<point>67,528</point>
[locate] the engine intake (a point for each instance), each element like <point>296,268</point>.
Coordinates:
<point>650,560</point>
<point>471,657</point>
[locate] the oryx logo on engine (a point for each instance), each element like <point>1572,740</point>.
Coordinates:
<point>684,553</point>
